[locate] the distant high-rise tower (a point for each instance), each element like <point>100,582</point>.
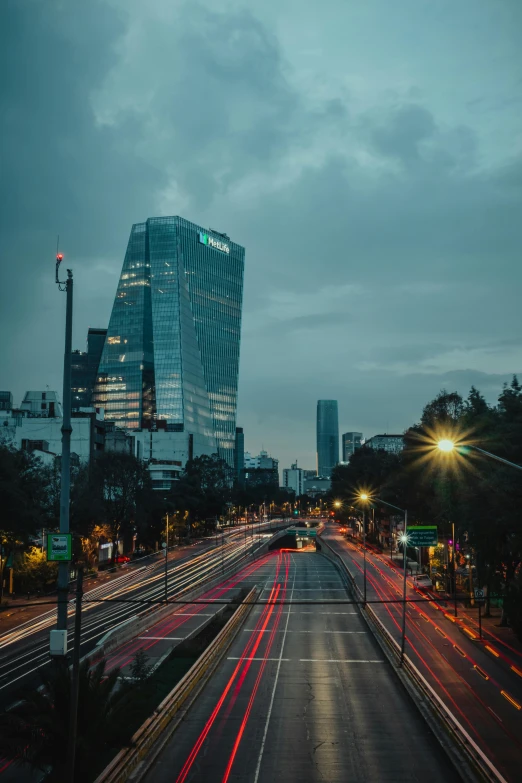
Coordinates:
<point>84,369</point>
<point>172,347</point>
<point>351,442</point>
<point>327,437</point>
<point>239,453</point>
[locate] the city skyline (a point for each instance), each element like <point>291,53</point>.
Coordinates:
<point>329,146</point>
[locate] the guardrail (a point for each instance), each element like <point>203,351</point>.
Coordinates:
<point>473,755</point>
<point>151,737</point>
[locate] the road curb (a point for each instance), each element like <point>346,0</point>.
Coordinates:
<point>133,762</point>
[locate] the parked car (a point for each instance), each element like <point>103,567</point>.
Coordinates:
<point>122,559</point>
<point>423,582</point>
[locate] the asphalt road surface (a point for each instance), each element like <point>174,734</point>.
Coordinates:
<point>478,680</point>
<point>303,695</point>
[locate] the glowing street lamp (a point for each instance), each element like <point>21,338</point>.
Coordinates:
<point>446,445</point>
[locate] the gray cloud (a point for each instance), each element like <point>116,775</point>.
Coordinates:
<point>376,188</point>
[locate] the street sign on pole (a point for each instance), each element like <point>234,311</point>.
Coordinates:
<point>480,595</point>
<point>59,547</point>
<point>304,533</point>
<point>422,535</point>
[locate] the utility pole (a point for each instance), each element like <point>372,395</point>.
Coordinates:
<point>364,554</point>
<point>404,565</point>
<point>75,679</point>
<point>166,561</point>
<point>65,488</point>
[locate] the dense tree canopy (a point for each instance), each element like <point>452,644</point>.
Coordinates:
<point>481,497</point>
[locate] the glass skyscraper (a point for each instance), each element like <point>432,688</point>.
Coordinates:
<point>172,348</point>
<point>327,437</point>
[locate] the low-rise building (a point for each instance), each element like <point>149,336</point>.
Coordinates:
<point>41,404</point>
<point>43,434</point>
<point>393,444</point>
<point>315,486</point>
<point>294,479</point>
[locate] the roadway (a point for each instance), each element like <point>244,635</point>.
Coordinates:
<point>477,680</point>
<point>24,649</point>
<point>304,694</point>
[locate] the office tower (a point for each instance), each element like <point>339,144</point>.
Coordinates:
<point>172,347</point>
<point>84,369</point>
<point>239,454</point>
<point>327,437</point>
<point>351,442</point>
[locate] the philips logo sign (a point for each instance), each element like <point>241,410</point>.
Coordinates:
<point>206,239</point>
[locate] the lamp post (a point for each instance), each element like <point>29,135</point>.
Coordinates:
<point>404,540</point>
<point>166,558</point>
<point>364,497</point>
<point>65,484</point>
<point>448,445</point>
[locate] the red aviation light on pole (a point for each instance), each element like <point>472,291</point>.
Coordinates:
<point>59,259</point>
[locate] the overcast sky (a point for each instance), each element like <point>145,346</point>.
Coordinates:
<point>368,155</point>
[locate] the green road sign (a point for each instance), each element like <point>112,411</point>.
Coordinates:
<point>59,546</point>
<point>422,535</point>
<point>303,532</point>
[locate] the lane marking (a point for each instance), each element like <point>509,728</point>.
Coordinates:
<point>232,658</point>
<point>265,732</point>
<point>492,651</point>
<point>517,671</point>
<point>337,660</point>
<point>268,630</point>
<point>166,638</point>
<point>328,613</point>
<point>511,700</point>
<point>481,672</point>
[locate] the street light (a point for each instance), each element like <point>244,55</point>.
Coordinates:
<point>446,445</point>
<point>404,540</point>
<point>364,498</point>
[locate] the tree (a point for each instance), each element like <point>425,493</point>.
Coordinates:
<point>120,492</point>
<point>203,491</point>
<point>35,730</point>
<point>22,495</point>
<point>140,667</point>
<point>33,572</point>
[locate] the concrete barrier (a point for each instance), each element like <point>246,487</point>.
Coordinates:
<point>468,758</point>
<point>133,762</point>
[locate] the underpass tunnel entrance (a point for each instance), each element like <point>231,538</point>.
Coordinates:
<point>299,539</point>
